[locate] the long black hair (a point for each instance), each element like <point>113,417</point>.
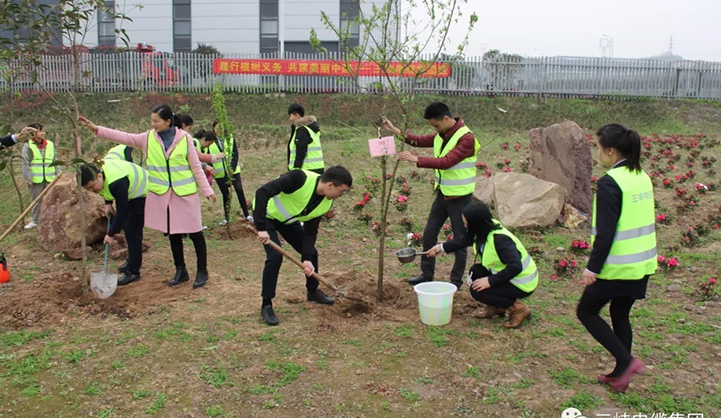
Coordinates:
<point>88,173</point>
<point>480,222</point>
<point>626,141</point>
<point>166,113</point>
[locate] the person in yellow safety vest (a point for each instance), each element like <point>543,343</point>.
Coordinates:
<point>126,185</point>
<point>503,273</point>
<point>120,152</point>
<point>292,206</point>
<point>623,256</point>
<point>175,176</point>
<point>454,163</point>
<point>37,156</point>
<point>304,148</point>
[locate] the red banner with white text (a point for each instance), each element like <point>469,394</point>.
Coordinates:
<point>327,68</point>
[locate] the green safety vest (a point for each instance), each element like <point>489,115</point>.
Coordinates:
<point>633,252</point>
<point>220,166</point>
<point>289,208</point>
<point>459,180</point>
<point>527,279</point>
<point>117,153</point>
<point>114,170</point>
<point>174,172</point>
<point>40,166</point>
<point>314,156</point>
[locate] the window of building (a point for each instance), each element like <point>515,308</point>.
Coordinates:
<point>268,26</point>
<point>106,24</point>
<point>349,11</point>
<point>182,27</point>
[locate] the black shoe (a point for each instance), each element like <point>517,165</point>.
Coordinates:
<point>320,297</point>
<point>269,316</point>
<point>458,285</point>
<point>128,278</point>
<point>200,278</point>
<point>181,275</point>
<point>418,279</point>
<point>123,267</point>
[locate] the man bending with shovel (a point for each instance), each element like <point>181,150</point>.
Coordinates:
<point>292,205</point>
<point>124,183</point>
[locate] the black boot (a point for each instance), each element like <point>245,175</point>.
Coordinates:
<point>181,275</point>
<point>418,279</point>
<point>269,316</point>
<point>128,278</point>
<point>123,267</point>
<point>200,278</point>
<point>320,297</point>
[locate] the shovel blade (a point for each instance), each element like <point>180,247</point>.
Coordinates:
<point>103,284</point>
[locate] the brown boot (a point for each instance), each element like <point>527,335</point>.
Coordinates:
<point>516,314</point>
<point>490,312</point>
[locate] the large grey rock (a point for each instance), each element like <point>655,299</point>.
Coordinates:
<point>59,223</point>
<point>560,153</point>
<point>484,190</point>
<point>522,200</point>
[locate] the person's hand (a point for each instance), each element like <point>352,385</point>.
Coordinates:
<point>209,169</point>
<point>218,157</point>
<point>588,278</point>
<point>481,284</point>
<point>211,198</point>
<point>388,126</point>
<point>308,268</point>
<point>108,239</point>
<point>407,156</point>
<point>435,251</point>
<point>109,210</point>
<point>86,123</point>
<point>26,132</point>
<point>263,237</point>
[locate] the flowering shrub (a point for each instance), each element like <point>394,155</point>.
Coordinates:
<point>664,219</point>
<point>481,166</point>
<point>448,232</point>
<point>405,189</point>
<point>504,146</point>
<point>507,169</point>
<point>565,267</point>
<point>376,227</point>
<point>415,175</point>
<point>706,289</point>
<point>580,247</point>
<point>359,205</point>
<point>689,238</point>
<point>414,240</point>
<point>407,224</point>
<point>373,185</point>
<point>517,146</point>
<point>668,263</point>
<point>401,203</point>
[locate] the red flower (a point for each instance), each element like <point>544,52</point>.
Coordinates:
<point>402,198</point>
<point>661,217</point>
<point>562,263</point>
<point>712,281</point>
<point>661,259</point>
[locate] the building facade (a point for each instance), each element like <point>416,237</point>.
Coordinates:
<point>231,26</point>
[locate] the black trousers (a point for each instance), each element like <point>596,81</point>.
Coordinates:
<point>441,210</point>
<point>225,191</point>
<point>621,294</point>
<point>176,246</point>
<point>500,296</point>
<point>133,229</point>
<point>293,234</point>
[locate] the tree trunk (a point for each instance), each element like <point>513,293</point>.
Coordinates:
<point>17,188</point>
<point>382,241</point>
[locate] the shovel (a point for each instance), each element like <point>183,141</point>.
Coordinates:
<point>297,262</point>
<point>407,255</point>
<point>103,284</point>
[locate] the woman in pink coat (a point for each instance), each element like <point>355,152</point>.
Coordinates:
<point>169,212</point>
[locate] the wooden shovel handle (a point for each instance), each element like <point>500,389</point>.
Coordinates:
<point>30,207</point>
<point>293,259</point>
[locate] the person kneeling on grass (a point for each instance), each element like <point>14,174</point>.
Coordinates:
<point>293,205</point>
<point>506,272</point>
<point>125,184</point>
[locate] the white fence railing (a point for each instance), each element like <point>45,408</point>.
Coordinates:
<point>557,76</point>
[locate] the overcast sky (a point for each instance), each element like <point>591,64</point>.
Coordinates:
<point>639,28</point>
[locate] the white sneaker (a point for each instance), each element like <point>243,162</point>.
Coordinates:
<point>223,222</point>
<point>204,228</point>
<point>31,225</point>
<point>250,218</point>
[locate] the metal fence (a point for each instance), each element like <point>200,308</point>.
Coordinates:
<point>549,76</point>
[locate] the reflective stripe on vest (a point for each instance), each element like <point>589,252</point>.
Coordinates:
<point>117,153</point>
<point>40,166</point>
<point>527,279</point>
<point>114,170</point>
<point>633,251</point>
<point>314,157</point>
<point>172,173</point>
<point>459,180</point>
<point>290,208</point>
<point>220,166</point>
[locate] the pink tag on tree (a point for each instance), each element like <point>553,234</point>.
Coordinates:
<point>382,146</point>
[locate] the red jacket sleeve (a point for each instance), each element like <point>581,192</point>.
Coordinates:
<point>464,149</point>
<point>421,141</point>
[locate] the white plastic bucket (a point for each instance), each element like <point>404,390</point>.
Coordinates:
<point>435,302</point>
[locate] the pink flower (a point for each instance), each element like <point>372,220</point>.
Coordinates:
<point>712,281</point>
<point>661,217</point>
<point>402,198</point>
<point>672,262</point>
<point>554,277</point>
<point>661,259</point>
<point>563,263</point>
